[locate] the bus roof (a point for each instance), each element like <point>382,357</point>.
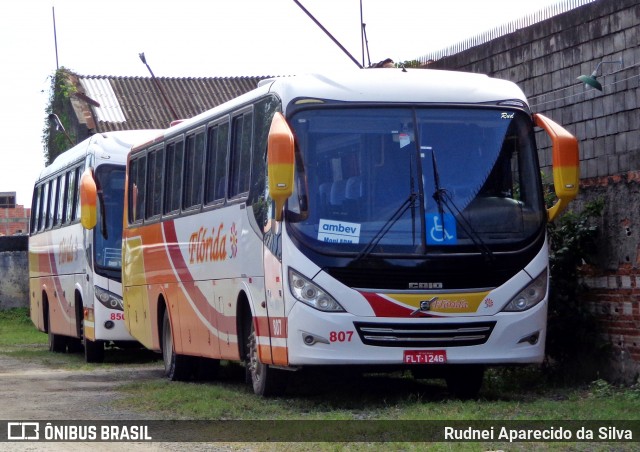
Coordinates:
<point>398,85</point>
<point>115,144</point>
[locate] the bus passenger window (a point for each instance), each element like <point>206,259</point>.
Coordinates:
<point>35,211</point>
<point>44,203</point>
<point>137,189</point>
<point>60,200</point>
<point>194,157</point>
<point>173,177</point>
<point>76,211</point>
<point>70,196</point>
<point>240,164</point>
<point>221,160</point>
<point>52,203</point>
<point>154,182</point>
<point>217,141</point>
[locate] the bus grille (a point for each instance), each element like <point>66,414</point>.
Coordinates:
<point>424,334</point>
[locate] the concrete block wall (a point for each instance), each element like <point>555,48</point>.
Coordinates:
<point>545,59</point>
<point>14,271</point>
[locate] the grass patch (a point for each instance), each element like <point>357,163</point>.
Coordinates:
<point>19,338</point>
<point>394,397</point>
<point>382,397</point>
<point>16,329</point>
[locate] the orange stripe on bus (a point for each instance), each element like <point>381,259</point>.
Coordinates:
<point>280,356</point>
<point>264,353</point>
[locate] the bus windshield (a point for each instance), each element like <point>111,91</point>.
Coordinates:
<point>108,231</point>
<point>415,180</point>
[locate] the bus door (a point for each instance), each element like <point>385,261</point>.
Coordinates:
<point>137,318</point>
<point>276,325</point>
<point>280,167</point>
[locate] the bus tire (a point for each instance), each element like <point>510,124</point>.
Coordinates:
<point>266,381</point>
<point>74,345</point>
<point>93,350</point>
<point>206,369</point>
<point>176,367</point>
<point>464,381</point>
<point>57,342</point>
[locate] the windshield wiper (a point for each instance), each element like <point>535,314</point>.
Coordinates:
<point>409,202</point>
<point>438,195</point>
<point>443,198</point>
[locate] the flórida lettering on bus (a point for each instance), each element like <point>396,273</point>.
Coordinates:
<point>67,250</point>
<point>205,246</point>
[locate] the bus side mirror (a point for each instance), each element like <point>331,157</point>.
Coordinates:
<point>280,162</point>
<point>566,163</point>
<point>88,197</point>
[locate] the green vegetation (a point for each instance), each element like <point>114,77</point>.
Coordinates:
<point>55,142</point>
<point>575,350</point>
<point>510,393</point>
<point>16,330</point>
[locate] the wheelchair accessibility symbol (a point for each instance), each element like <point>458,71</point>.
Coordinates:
<point>441,234</point>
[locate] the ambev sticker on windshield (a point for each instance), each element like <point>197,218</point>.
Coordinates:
<point>331,231</point>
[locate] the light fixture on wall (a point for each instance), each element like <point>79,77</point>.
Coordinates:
<point>55,122</point>
<point>591,80</point>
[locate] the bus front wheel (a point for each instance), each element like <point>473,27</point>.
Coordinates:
<point>93,350</point>
<point>176,367</point>
<point>464,381</point>
<point>266,380</point>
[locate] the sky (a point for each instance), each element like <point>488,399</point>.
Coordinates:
<point>205,38</point>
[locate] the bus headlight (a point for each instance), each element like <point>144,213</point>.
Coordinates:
<point>309,293</point>
<point>108,299</point>
<point>530,296</point>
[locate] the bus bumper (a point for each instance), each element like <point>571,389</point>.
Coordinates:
<point>317,338</point>
<point>108,325</point>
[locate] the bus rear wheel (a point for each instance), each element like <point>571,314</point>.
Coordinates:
<point>176,367</point>
<point>266,380</point>
<point>57,342</point>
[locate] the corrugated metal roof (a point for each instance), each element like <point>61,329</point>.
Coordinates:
<point>128,103</point>
<point>99,89</point>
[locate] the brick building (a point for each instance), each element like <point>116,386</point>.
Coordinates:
<point>14,219</point>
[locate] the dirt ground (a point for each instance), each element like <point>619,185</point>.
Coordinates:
<point>32,391</point>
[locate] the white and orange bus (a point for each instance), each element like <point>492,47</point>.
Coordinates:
<point>74,267</point>
<point>380,218</point>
